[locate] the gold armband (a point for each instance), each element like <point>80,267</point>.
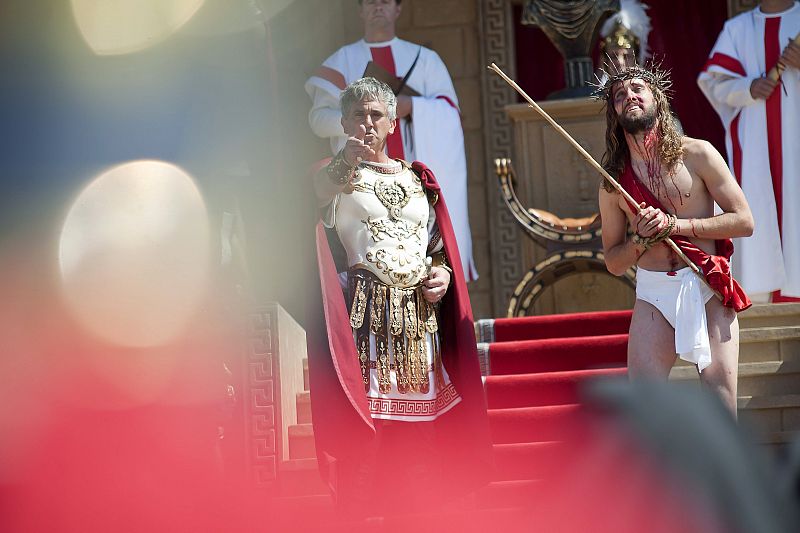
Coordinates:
<point>339,170</point>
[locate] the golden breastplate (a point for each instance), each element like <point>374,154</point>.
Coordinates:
<point>383,225</point>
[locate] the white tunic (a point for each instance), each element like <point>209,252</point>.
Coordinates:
<point>434,136</point>
<point>392,245</point>
<point>763,143</point>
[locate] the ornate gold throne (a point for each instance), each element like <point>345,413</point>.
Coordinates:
<point>572,245</point>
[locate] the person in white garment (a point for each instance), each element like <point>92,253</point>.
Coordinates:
<point>762,136</point>
<point>429,119</point>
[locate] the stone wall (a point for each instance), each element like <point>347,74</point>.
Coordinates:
<point>450,27</point>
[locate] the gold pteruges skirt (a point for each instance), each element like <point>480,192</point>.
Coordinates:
<point>399,317</point>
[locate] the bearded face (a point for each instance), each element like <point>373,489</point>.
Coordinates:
<point>635,105</point>
<point>640,122</point>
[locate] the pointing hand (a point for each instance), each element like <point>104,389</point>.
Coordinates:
<point>355,150</point>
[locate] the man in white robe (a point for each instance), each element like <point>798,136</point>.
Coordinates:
<point>762,126</point>
<point>429,124</point>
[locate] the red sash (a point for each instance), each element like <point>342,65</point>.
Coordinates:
<point>716,268</point>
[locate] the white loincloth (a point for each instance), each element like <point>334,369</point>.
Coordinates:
<point>681,298</point>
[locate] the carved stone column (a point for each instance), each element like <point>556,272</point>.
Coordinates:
<point>497,38</point>
<point>272,376</point>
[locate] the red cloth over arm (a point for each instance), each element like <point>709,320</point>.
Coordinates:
<point>715,268</point>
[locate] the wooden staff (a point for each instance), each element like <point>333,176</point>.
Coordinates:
<point>669,242</point>
<point>776,72</point>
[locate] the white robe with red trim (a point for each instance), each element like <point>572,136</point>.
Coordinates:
<point>433,136</point>
<point>763,143</point>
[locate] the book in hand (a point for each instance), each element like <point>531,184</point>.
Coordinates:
<point>381,74</point>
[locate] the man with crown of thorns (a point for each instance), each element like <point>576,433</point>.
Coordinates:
<point>676,181</point>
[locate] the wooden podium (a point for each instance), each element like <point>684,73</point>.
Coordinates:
<point>553,177</point>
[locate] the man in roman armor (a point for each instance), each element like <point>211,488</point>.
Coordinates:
<point>397,400</point>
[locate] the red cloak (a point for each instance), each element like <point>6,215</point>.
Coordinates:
<point>342,421</point>
<point>715,268</point>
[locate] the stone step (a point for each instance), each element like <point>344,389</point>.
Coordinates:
<point>770,315</point>
<point>779,438</point>
<point>780,349</point>
<point>758,316</point>
<point>530,460</point>
<point>504,494</point>
<point>758,345</point>
<point>778,343</point>
<point>301,442</point>
<point>759,379</point>
<point>777,443</point>
<point>769,402</point>
<point>301,513</point>
<point>300,477</point>
<point>303,407</point>
<point>767,415</point>
<point>317,513</point>
<point>452,518</point>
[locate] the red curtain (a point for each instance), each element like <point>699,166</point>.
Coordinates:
<point>684,31</point>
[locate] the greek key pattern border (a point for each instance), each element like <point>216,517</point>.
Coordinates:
<point>260,416</point>
<point>497,46</point>
<point>445,398</point>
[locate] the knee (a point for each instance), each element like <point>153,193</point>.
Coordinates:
<point>720,379</point>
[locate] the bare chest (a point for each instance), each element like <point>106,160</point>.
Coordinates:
<point>679,192</point>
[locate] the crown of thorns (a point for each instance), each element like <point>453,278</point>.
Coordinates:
<point>653,74</point>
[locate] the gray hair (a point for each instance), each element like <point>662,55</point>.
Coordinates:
<point>372,89</point>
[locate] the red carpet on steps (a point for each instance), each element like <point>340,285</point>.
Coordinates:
<point>566,325</point>
<point>535,424</point>
<point>539,426</point>
<point>527,460</point>
<point>541,389</point>
<point>554,355</point>
<point>560,465</point>
<point>539,366</point>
